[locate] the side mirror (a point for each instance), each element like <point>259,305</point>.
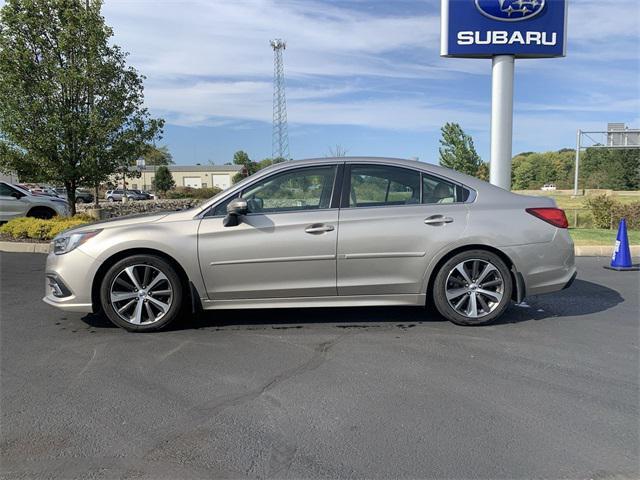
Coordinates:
<point>235,209</point>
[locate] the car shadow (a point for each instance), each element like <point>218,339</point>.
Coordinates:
<point>583,298</point>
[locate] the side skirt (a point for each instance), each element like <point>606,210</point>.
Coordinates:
<point>314,302</point>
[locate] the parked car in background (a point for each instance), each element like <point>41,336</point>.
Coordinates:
<point>548,187</point>
<point>146,195</point>
<point>321,233</point>
<point>19,202</point>
<point>116,195</point>
<point>82,196</point>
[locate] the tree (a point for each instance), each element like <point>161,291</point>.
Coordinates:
<point>337,151</point>
<point>163,179</point>
<point>457,150</point>
<point>71,110</point>
<point>157,156</point>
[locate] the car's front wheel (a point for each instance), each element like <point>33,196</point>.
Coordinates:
<point>141,293</point>
<point>473,288</point>
<point>109,199</point>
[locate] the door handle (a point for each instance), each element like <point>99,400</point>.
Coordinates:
<point>318,228</point>
<point>437,220</point>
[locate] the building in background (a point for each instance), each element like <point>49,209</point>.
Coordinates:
<point>194,176</point>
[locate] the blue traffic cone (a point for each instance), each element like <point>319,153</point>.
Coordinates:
<point>621,258</point>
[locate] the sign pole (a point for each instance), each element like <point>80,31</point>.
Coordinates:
<point>502,69</point>
<point>578,147</point>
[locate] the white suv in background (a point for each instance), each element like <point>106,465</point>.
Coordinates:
<point>17,202</point>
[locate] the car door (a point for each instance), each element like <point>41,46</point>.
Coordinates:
<point>284,247</point>
<point>393,220</point>
<point>11,203</point>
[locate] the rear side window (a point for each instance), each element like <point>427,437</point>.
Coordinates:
<point>437,190</point>
<point>381,185</point>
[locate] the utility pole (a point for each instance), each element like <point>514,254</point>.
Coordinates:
<point>280,139</point>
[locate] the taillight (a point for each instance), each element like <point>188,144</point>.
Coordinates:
<point>554,216</point>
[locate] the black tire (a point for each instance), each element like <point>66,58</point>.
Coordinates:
<point>110,199</point>
<point>42,212</point>
<point>448,277</point>
<point>79,200</point>
<point>140,262</point>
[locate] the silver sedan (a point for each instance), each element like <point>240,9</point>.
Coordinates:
<point>321,233</point>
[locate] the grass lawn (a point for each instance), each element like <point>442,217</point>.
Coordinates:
<point>595,236</point>
<point>565,201</point>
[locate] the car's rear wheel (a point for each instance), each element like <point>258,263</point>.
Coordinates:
<point>42,212</point>
<point>473,288</point>
<point>141,293</point>
<point>110,199</point>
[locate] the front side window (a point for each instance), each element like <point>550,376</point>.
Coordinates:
<point>382,185</point>
<point>300,189</point>
<point>6,190</point>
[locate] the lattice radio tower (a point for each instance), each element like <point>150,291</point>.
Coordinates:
<point>280,140</point>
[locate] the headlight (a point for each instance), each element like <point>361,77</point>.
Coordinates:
<point>70,241</point>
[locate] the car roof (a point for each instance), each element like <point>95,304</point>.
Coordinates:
<point>437,170</point>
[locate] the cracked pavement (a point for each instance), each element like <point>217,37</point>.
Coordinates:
<point>550,392</point>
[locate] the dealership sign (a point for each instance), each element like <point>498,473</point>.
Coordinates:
<point>485,28</point>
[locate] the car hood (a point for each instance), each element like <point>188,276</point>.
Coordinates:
<point>122,221</point>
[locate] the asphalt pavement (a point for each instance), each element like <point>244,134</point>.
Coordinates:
<point>550,392</point>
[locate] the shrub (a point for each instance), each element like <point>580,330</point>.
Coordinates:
<point>38,229</point>
<point>188,192</point>
<point>607,212</point>
<point>629,211</point>
<point>601,207</point>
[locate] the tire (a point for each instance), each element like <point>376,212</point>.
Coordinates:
<point>79,200</point>
<point>109,199</point>
<point>42,212</point>
<point>456,291</point>
<point>141,310</point>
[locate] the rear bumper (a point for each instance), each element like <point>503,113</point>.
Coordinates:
<point>545,267</point>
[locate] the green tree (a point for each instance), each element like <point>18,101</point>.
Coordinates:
<point>157,156</point>
<point>71,110</point>
<point>163,180</point>
<point>457,150</point>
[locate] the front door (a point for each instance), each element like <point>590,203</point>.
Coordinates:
<point>395,221</point>
<point>284,247</point>
<point>10,205</point>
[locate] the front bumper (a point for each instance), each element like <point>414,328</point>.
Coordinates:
<point>69,280</point>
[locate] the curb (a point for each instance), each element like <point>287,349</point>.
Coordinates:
<point>580,251</point>
<point>601,251</point>
<point>24,247</point>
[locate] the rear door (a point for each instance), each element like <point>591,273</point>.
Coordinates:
<point>284,247</point>
<point>392,222</point>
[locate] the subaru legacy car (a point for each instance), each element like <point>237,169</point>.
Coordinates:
<point>321,233</point>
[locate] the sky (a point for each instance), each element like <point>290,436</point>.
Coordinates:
<point>365,75</point>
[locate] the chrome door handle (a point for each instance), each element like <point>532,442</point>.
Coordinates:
<point>437,220</point>
<point>318,228</point>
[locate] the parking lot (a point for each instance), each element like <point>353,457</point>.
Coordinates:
<point>551,392</point>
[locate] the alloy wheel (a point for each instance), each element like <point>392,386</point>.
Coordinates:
<point>474,288</point>
<point>141,294</point>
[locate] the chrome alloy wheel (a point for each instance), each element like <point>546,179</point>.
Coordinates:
<point>141,294</point>
<point>474,288</point>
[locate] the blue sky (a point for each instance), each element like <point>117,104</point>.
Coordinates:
<point>363,74</point>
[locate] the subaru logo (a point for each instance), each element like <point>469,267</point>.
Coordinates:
<point>510,10</point>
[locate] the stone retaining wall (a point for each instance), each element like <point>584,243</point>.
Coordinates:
<point>120,209</point>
